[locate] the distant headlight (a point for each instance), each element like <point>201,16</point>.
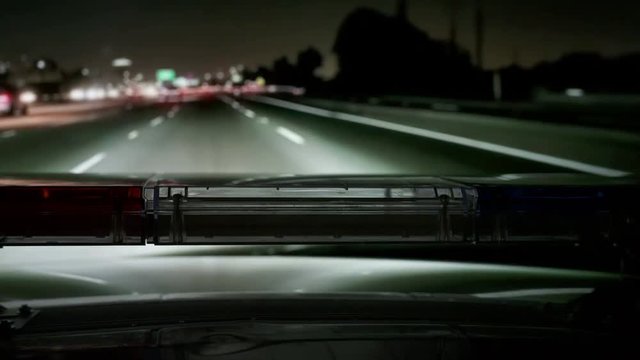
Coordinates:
<point>574,92</point>
<point>150,92</point>
<point>77,95</point>
<point>28,97</point>
<point>96,94</point>
<point>113,93</point>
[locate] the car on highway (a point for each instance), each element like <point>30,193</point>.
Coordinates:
<point>13,101</point>
<point>318,266</point>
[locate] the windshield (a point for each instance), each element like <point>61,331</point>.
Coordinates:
<point>482,148</point>
<point>460,87</point>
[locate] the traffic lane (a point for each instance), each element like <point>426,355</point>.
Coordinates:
<point>51,115</point>
<point>220,139</point>
<point>216,138</point>
<point>211,137</point>
<point>615,148</point>
<point>60,149</point>
<point>393,152</point>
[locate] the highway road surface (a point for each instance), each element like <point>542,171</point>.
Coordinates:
<point>245,136</point>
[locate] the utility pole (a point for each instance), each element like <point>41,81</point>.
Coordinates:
<point>453,30</point>
<point>515,60</point>
<point>479,33</point>
<point>401,10</point>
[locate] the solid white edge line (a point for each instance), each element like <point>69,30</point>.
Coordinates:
<point>89,163</point>
<point>454,139</point>
<point>290,135</point>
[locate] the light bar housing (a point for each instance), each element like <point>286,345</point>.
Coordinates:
<point>310,214</point>
<point>317,210</point>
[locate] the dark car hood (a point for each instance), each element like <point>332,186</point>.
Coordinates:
<point>66,272</point>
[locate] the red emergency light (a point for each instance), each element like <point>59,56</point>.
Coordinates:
<point>71,215</point>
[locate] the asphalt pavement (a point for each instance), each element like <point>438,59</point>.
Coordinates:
<point>227,136</point>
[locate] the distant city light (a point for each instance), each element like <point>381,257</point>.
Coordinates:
<point>122,62</point>
<point>193,82</point>
<point>77,95</point>
<point>113,93</point>
<point>150,92</point>
<point>575,92</point>
<point>41,64</point>
<point>95,94</point>
<point>28,97</point>
<point>85,72</point>
<point>236,78</point>
<point>207,76</point>
<point>181,82</point>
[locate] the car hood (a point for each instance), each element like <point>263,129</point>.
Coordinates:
<point>67,272</point>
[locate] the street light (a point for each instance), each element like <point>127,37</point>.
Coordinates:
<point>122,62</point>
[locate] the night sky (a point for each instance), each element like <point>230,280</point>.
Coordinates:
<point>200,35</point>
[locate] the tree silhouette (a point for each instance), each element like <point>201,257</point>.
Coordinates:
<point>302,73</point>
<point>284,72</point>
<point>382,54</point>
<point>590,71</point>
<point>308,62</point>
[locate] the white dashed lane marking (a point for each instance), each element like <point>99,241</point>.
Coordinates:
<point>250,114</point>
<point>290,135</point>
<point>157,121</point>
<point>89,163</point>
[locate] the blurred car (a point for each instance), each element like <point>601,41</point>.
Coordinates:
<point>13,101</point>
